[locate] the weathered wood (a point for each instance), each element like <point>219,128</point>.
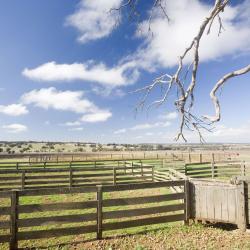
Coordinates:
<point>142,200</point>
<point>4,238</point>
<point>13,220</point>
<point>99,212</point>
<point>48,191</point>
<point>241,209</point>
<point>143,185</point>
<point>56,206</point>
<point>56,220</point>
<point>142,211</point>
<point>142,222</point>
<point>39,234</point>
<point>187,201</point>
<point>5,224</point>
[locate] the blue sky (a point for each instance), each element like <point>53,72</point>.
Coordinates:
<point>67,70</point>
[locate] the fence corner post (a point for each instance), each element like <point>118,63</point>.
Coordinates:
<point>99,197</point>
<point>187,202</point>
<point>114,176</point>
<point>241,207</point>
<point>13,220</point>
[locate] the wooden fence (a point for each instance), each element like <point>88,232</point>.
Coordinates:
<point>68,164</point>
<point>92,216</point>
<point>75,176</point>
<point>218,202</point>
<point>216,170</point>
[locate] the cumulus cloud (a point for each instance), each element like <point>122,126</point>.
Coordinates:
<point>60,100</point>
<point>14,109</point>
<point>170,39</point>
<point>98,116</point>
<point>15,128</point>
<point>73,101</point>
<point>109,77</point>
<point>93,20</point>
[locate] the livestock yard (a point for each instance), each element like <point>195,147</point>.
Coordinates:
<point>136,200</point>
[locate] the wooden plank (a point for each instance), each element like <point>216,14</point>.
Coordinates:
<point>38,177</point>
<point>142,211</point>
<point>4,210</point>
<point>56,220</point>
<point>40,234</point>
<point>92,175</point>
<point>4,238</point>
<point>198,168</point>
<point>9,178</point>
<point>92,180</point>
<point>142,200</point>
<point>11,184</point>
<point>34,183</point>
<point>4,224</point>
<point>56,206</point>
<point>45,191</point>
<point>143,186</point>
<point>143,222</point>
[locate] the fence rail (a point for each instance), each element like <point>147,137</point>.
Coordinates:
<point>75,176</point>
<point>161,208</point>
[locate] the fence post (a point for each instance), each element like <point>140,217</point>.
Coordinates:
<point>114,176</point>
<point>142,169</point>
<point>243,169</point>
<point>187,202</point>
<point>186,170</point>
<point>153,173</point>
<point>241,207</point>
<point>23,180</point>
<point>70,177</point>
<point>13,220</point>
<point>99,197</point>
<point>17,166</point>
<point>212,157</point>
<point>212,169</point>
<point>200,158</point>
<point>189,157</point>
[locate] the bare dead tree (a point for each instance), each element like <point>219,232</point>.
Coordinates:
<point>185,94</point>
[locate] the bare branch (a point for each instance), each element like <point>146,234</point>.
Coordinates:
<point>219,85</point>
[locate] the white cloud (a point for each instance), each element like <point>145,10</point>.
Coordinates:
<point>15,128</point>
<point>120,131</point>
<point>71,124</point>
<point>93,20</point>
<point>98,116</point>
<point>169,116</point>
<point>170,39</point>
<point>60,100</point>
<point>14,109</point>
<point>76,129</point>
<point>150,125</point>
<point>109,77</point>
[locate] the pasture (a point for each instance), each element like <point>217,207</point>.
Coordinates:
<point>52,203</point>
